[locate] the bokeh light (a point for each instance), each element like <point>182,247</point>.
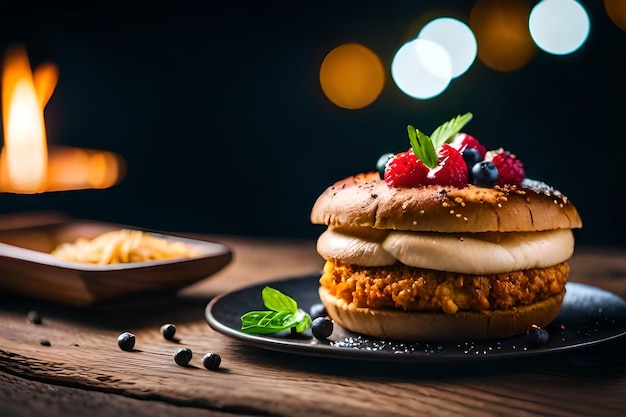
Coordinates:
<point>616,10</point>
<point>352,76</point>
<point>456,37</point>
<point>421,68</point>
<point>501,30</point>
<point>559,27</point>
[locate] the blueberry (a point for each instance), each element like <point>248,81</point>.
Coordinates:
<point>212,361</point>
<point>182,356</point>
<point>537,337</point>
<point>382,163</point>
<point>484,174</point>
<point>471,156</point>
<point>322,328</point>
<point>126,341</point>
<point>317,310</point>
<point>168,331</point>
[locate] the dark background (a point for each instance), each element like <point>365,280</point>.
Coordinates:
<point>218,111</point>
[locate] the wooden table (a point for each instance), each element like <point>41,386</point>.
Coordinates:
<point>83,372</point>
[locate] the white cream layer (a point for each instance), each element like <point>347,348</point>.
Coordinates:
<point>469,253</point>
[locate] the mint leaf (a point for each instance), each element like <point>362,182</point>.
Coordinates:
<point>446,132</point>
<point>277,301</point>
<point>284,314</point>
<point>422,147</point>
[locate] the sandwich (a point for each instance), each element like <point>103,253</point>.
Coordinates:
<point>445,241</point>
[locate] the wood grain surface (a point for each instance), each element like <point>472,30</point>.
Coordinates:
<point>83,372</point>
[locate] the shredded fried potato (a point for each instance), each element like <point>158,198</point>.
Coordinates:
<point>122,246</point>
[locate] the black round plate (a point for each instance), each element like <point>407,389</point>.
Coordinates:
<point>589,316</point>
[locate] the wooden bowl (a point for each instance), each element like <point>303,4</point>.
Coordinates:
<point>27,267</point>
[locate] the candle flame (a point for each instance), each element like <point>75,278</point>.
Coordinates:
<point>26,164</point>
<point>24,158</point>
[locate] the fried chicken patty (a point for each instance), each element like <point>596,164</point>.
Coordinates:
<point>408,288</point>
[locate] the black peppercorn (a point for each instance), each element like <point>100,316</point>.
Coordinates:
<point>126,341</point>
<point>182,356</point>
<point>168,331</point>
<point>212,361</point>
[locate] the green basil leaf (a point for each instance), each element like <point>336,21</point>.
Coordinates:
<point>304,322</point>
<point>284,315</point>
<point>267,322</point>
<point>277,301</point>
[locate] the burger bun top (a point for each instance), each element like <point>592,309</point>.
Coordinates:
<point>365,200</point>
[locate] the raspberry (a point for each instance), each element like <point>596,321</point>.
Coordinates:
<point>406,170</point>
<point>463,141</point>
<point>510,169</point>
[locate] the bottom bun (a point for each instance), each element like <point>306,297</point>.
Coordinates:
<point>434,326</point>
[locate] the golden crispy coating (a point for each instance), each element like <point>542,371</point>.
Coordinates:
<point>403,287</point>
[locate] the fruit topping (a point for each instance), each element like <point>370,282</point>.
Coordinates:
<point>406,170</point>
<point>464,142</point>
<point>449,158</point>
<point>381,164</point>
<point>484,174</point>
<point>471,156</point>
<point>510,169</point>
<point>431,160</point>
<point>473,151</point>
